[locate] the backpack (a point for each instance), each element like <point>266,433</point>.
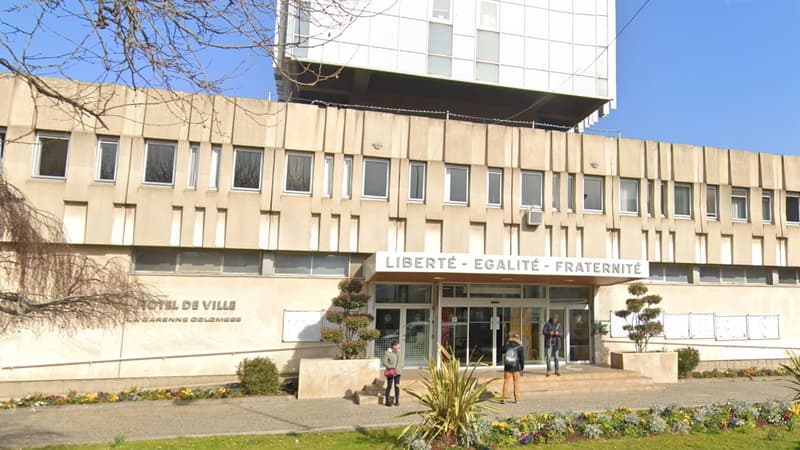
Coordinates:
<point>511,356</point>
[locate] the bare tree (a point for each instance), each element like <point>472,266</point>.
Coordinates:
<point>43,281</point>
<point>167,44</point>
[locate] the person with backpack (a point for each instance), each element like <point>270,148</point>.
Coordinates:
<point>552,342</point>
<point>513,365</point>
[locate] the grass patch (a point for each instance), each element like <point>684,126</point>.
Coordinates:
<point>772,438</point>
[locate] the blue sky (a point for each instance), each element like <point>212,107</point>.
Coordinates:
<point>723,73</point>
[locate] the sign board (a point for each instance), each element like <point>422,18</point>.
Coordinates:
<point>676,326</point>
<point>302,326</point>
<point>730,328</point>
<point>701,326</point>
<point>763,327</point>
<point>411,262</point>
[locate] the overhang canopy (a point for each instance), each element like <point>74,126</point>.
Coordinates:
<point>465,267</point>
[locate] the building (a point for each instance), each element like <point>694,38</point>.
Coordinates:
<point>553,63</point>
<point>246,214</point>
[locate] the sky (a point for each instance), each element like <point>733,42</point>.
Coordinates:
<point>723,73</point>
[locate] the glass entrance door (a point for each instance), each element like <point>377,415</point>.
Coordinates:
<point>408,326</point>
<point>579,332</point>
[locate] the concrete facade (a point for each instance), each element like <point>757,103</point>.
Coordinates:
<point>125,216</point>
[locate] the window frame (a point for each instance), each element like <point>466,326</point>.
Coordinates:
<point>739,193</point>
<point>388,172</point>
<point>767,194</point>
<point>236,150</point>
<point>497,171</point>
<point>479,15</point>
<point>214,166</point>
<point>174,161</point>
<point>485,62</point>
<point>796,197</point>
<point>555,190</point>
<point>527,174</point>
<point>328,164</point>
<point>289,154</point>
<point>194,166</point>
<point>424,166</point>
<point>675,189</point>
<point>715,189</point>
<point>99,159</point>
<point>347,177</point>
<point>432,55</point>
<point>602,193</point>
<point>622,209</point>
<point>433,18</point>
<point>570,192</point>
<point>447,185</point>
<point>37,161</point>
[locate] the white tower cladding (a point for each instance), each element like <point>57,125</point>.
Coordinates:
<point>533,60</point>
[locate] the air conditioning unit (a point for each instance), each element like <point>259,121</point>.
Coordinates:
<point>533,217</point>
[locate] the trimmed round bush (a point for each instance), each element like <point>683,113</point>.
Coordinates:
<point>258,376</point>
<point>688,359</point>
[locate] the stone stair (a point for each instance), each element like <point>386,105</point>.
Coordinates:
<point>574,379</point>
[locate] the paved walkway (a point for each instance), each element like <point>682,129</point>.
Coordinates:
<point>261,415</point>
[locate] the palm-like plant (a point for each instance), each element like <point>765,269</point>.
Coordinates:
<point>794,370</point>
<point>452,401</point>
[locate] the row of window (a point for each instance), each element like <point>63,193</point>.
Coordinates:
<point>202,261</point>
<point>422,293</point>
<point>160,157</point>
<point>713,274</point>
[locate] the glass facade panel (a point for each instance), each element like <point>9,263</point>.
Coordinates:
<point>329,265</point>
<point>292,264</point>
<point>241,262</point>
<point>155,260</point>
<point>376,178</point>
<point>593,193</point>
<point>200,261</point>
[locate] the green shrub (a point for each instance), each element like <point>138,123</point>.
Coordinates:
<point>258,376</point>
<point>688,359</point>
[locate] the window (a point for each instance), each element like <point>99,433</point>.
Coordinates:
<point>194,155</point>
<point>441,9</point>
<point>677,274</point>
<point>756,275</point>
<point>241,262</point>
<point>106,167</point>
<point>247,168</point>
<point>712,197</point>
<point>793,207</point>
<point>303,29</point>
<point>200,261</point>
<point>51,154</point>
<point>2,145</point>
<point>709,274</point>
<point>531,185</point>
<point>159,163</point>
<point>155,260</point>
<point>440,48</point>
<point>298,172</point>
<point>570,192</point>
<point>494,187</point>
<point>766,206</point>
<point>376,178</point>
<point>327,177</point>
<point>456,184</point>
<point>487,55</point>
<point>317,264</point>
<point>347,177</point>
<point>416,181</point>
<point>650,197</point>
<point>629,196</point>
<point>593,193</point>
<point>213,171</point>
<point>683,200</point>
<point>787,276</point>
<point>403,293</point>
<point>488,15</point>
<point>739,204</point>
<point>733,275</point>
<point>556,192</point>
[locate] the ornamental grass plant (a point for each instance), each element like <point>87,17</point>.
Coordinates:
<point>794,370</point>
<point>451,405</point>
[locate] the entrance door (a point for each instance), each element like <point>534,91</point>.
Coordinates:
<point>576,343</point>
<point>408,326</point>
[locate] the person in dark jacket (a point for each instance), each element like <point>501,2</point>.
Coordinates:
<point>513,365</point>
<point>552,342</point>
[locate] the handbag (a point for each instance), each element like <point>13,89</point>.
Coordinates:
<point>392,372</point>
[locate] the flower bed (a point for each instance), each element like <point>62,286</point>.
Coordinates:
<point>735,373</point>
<point>132,395</point>
<point>622,422</point>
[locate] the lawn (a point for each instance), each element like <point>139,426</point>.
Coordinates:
<point>771,438</point>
